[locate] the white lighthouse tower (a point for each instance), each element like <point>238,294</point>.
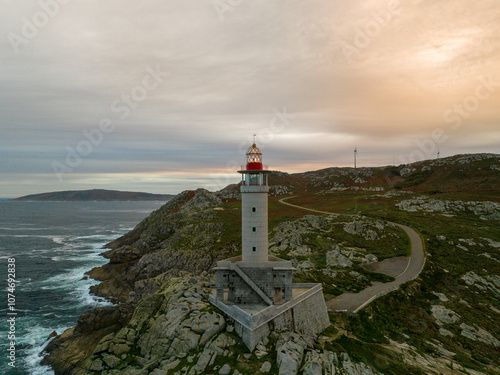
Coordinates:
<point>255,289</point>
<point>254,193</point>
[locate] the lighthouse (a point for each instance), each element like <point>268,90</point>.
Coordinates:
<point>255,289</point>
<point>254,207</point>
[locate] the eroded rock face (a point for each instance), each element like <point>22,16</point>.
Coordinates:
<point>444,315</point>
<point>484,210</point>
<point>176,331</point>
<point>71,349</point>
<point>445,332</point>
<point>405,172</point>
<point>164,328</point>
<point>202,199</point>
<point>478,334</point>
<point>487,283</point>
<point>140,263</point>
<point>290,351</point>
<point>329,363</point>
<point>334,258</point>
<point>170,238</point>
<point>366,229</point>
<point>278,190</point>
<point>298,239</point>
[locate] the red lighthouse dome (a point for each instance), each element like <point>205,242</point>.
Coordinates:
<point>254,158</point>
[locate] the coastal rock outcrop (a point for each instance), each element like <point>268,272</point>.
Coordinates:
<point>478,334</point>
<point>444,315</point>
<point>179,237</point>
<point>327,362</point>
<point>70,350</point>
<point>487,283</point>
<point>484,210</point>
<point>164,328</point>
<point>334,258</point>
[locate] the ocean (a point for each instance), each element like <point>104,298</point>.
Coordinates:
<point>50,246</point>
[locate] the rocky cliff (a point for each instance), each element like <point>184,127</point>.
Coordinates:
<point>176,331</point>
<point>182,236</point>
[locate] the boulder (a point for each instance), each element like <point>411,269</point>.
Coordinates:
<point>478,334</point>
<point>203,360</point>
<point>405,172</point>
<point>444,315</point>
<point>441,296</point>
<point>110,360</point>
<point>360,228</point>
<point>445,332</point>
<point>290,351</point>
<point>335,259</point>
<point>266,367</point>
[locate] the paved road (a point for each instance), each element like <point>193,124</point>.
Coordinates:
<point>353,302</point>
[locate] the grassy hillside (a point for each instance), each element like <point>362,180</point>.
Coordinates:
<point>454,204</point>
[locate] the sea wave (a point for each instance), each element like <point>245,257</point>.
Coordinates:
<point>22,228</point>
<point>58,239</point>
<point>35,341</point>
<point>56,244</point>
<point>96,236</point>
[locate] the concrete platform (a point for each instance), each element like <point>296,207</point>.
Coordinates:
<point>305,313</point>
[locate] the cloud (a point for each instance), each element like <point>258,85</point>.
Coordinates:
<point>226,78</point>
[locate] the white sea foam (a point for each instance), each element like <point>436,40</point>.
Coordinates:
<point>66,280</point>
<point>63,253</point>
<point>35,339</point>
<point>81,252</point>
<point>85,299</point>
<point>78,257</point>
<point>19,235</point>
<point>96,236</point>
<point>79,290</point>
<point>41,251</point>
<point>73,280</point>
<point>22,228</point>
<point>56,239</point>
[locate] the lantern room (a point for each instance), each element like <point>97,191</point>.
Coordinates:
<point>254,173</point>
<point>254,158</point>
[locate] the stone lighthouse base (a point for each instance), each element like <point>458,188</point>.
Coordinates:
<point>305,313</point>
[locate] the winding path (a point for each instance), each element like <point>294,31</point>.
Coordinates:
<point>353,302</point>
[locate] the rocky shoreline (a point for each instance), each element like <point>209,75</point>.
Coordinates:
<point>140,262</point>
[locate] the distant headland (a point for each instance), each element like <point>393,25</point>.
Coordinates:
<point>95,195</point>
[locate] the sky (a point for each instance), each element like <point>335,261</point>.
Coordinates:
<point>162,96</point>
